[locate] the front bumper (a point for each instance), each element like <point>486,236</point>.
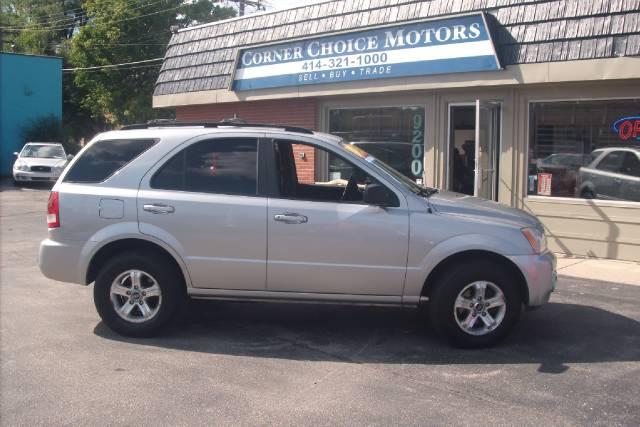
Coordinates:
<point>28,176</point>
<point>540,273</point>
<point>58,259</point>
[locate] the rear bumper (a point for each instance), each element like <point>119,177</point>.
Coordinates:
<point>60,260</point>
<point>540,273</point>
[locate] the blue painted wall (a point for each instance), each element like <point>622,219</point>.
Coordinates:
<point>30,87</point>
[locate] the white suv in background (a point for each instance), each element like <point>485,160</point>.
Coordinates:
<point>39,162</point>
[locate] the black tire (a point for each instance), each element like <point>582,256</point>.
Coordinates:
<point>587,194</point>
<point>166,274</point>
<point>452,283</point>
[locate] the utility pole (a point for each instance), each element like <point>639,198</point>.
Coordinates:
<point>242,4</point>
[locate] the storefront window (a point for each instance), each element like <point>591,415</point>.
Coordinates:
<point>585,149</point>
<point>394,135</point>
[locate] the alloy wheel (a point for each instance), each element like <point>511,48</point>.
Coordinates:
<point>480,308</point>
<point>136,296</point>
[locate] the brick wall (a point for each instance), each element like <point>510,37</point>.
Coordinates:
<point>293,112</point>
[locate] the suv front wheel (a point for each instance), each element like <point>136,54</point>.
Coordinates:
<point>475,305</point>
<point>138,295</point>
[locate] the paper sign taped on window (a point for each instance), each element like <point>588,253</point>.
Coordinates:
<point>544,184</point>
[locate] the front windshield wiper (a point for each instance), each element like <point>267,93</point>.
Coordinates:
<point>427,192</point>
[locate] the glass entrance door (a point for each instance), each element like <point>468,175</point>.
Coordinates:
<point>474,141</point>
<point>487,140</point>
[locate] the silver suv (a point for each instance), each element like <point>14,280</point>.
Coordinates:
<point>154,214</point>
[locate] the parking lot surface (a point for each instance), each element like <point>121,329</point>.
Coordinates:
<point>574,361</point>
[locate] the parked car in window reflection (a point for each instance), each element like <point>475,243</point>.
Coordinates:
<point>614,174</point>
<point>564,170</point>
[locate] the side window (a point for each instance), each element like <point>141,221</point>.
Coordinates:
<point>171,175</point>
<point>104,158</point>
<point>611,162</point>
<point>300,178</point>
<point>223,166</point>
<point>631,165</point>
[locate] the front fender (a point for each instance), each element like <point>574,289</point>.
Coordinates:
<point>417,274</point>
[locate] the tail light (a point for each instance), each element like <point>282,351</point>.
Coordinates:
<point>53,210</point>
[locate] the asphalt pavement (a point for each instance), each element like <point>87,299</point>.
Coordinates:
<point>575,361</point>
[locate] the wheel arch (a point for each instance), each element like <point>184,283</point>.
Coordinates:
<point>462,257</point>
<point>108,250</point>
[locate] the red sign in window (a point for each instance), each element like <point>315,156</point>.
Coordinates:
<point>544,184</point>
<point>628,128</point>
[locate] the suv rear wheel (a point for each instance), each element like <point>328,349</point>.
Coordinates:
<point>138,294</point>
<point>475,306</point>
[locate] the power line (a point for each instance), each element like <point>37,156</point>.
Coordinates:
<point>112,65</point>
<point>67,26</point>
<point>71,71</point>
<point>128,44</point>
<point>46,18</point>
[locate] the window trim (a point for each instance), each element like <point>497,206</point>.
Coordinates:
<point>115,172</point>
<point>566,200</point>
<point>275,190</point>
<point>181,149</point>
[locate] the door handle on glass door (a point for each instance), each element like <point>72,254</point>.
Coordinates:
<point>291,218</point>
<point>158,209</point>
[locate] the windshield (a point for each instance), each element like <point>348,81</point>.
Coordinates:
<point>397,176</point>
<point>43,151</point>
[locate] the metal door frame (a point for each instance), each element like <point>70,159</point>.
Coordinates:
<point>496,158</point>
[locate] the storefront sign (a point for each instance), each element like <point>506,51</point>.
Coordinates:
<point>628,128</point>
<point>451,45</point>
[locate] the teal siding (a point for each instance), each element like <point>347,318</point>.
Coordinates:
<point>30,87</point>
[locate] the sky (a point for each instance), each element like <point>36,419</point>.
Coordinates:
<point>288,4</point>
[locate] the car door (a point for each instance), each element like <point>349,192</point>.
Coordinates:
<point>203,201</point>
<point>631,180</point>
<point>606,178</point>
<point>319,242</point>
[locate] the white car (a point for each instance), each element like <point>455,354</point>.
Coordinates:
<point>39,162</point>
<point>614,174</point>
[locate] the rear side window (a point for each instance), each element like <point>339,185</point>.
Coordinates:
<point>223,166</point>
<point>612,162</point>
<point>104,158</point>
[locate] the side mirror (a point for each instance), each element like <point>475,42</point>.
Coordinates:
<point>69,156</point>
<point>379,195</point>
<point>15,153</point>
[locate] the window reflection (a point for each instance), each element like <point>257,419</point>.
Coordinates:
<point>585,149</point>
<point>394,135</point>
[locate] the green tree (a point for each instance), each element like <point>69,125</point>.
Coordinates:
<point>38,26</point>
<point>90,33</point>
<point>119,31</point>
<point>47,129</point>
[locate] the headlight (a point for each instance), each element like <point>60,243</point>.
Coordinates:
<point>536,239</point>
<point>22,167</point>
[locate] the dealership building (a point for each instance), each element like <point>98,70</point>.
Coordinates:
<point>534,104</point>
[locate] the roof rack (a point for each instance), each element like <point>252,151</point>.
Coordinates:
<point>237,122</point>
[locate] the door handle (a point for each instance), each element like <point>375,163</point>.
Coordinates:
<point>291,218</point>
<point>158,209</point>
<point>617,180</point>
